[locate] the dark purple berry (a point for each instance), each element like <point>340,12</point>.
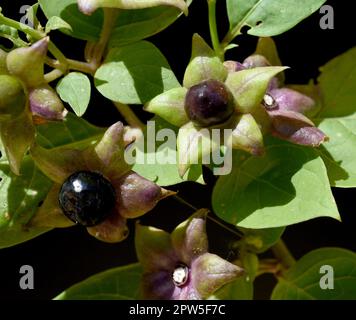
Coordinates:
<point>208,103</point>
<point>87,198</point>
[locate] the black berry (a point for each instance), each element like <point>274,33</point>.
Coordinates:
<point>87,198</point>
<point>208,103</point>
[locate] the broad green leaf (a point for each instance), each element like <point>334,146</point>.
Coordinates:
<point>72,131</point>
<point>337,85</point>
<point>134,74</point>
<point>55,23</point>
<point>164,174</point>
<point>135,25</point>
<point>339,153</point>
<point>21,195</point>
<point>75,89</point>
<point>89,6</point>
<point>122,283</point>
<point>131,25</point>
<point>289,184</point>
<point>337,118</point>
<point>269,17</point>
<point>303,281</point>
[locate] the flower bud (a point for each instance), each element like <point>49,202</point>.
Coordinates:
<point>12,97</point>
<point>256,60</point>
<point>137,195</point>
<point>28,63</point>
<point>45,103</point>
<point>233,66</point>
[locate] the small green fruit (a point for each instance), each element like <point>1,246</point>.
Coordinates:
<point>28,63</point>
<point>12,97</point>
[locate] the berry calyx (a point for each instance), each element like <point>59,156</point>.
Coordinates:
<point>87,198</point>
<point>208,103</point>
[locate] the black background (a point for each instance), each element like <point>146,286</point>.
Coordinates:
<point>61,258</point>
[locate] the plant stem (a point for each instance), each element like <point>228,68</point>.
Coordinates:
<point>181,200</point>
<point>53,75</point>
<point>282,253</point>
<point>214,30</point>
<point>129,115</point>
<point>110,16</point>
<point>81,66</point>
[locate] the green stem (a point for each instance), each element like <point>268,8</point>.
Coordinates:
<point>81,66</point>
<point>214,30</point>
<point>129,115</point>
<point>35,34</point>
<point>53,75</point>
<point>282,253</point>
<point>110,16</point>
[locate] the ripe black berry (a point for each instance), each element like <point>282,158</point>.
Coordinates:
<point>208,103</point>
<point>87,198</point>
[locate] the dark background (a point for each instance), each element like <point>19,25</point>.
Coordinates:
<point>63,257</point>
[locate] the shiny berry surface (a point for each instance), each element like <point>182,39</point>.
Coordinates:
<point>87,198</point>
<point>208,103</point>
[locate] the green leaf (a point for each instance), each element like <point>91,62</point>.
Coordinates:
<point>134,74</point>
<point>268,17</point>
<point>131,25</point>
<point>337,85</point>
<point>12,35</point>
<point>122,283</point>
<point>21,195</point>
<point>289,184</point>
<point>89,6</point>
<point>337,118</point>
<point>164,174</point>
<point>339,153</point>
<point>19,198</point>
<point>75,89</point>
<point>302,281</point>
<point>72,131</point>
<point>55,23</point>
<point>249,86</point>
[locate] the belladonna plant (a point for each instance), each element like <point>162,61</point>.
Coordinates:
<point>218,95</point>
<point>287,144</point>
